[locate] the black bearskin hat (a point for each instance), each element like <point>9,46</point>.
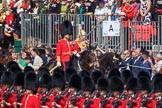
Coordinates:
<point>126,75</point>
<point>45,81</point>
<point>116,84</point>
<point>143,73</point>
<point>132,84</point>
<point>102,84</point>
<point>7,78</point>
<point>43,70</point>
<point>96,75</point>
<point>143,83</point>
<point>87,84</point>
<point>58,81</point>
<point>69,72</point>
<point>30,82</point>
<point>84,73</point>
<point>10,63</point>
<point>59,71</point>
<point>19,79</point>
<point>75,82</point>
<point>28,69</point>
<point>114,72</point>
<point>67,28</point>
<point>157,83</point>
<point>2,69</point>
<point>15,69</point>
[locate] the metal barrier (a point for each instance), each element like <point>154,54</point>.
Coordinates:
<point>46,27</point>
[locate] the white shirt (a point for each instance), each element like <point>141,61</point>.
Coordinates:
<point>100,12</point>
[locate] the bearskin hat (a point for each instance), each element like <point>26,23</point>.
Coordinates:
<point>45,81</point>
<point>126,75</point>
<point>132,84</point>
<point>75,82</point>
<point>69,72</point>
<point>19,79</point>
<point>102,84</point>
<point>84,73</point>
<point>96,75</point>
<point>114,72</point>
<point>116,84</point>
<point>59,71</point>
<point>87,84</point>
<point>143,83</point>
<point>2,69</point>
<point>10,63</point>
<point>28,69</point>
<point>43,70</point>
<point>15,69</point>
<point>7,78</point>
<point>30,82</point>
<point>143,73</point>
<point>67,28</point>
<point>58,81</point>
<point>157,83</point>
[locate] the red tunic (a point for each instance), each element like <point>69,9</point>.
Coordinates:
<point>64,49</point>
<point>9,19</point>
<point>31,101</point>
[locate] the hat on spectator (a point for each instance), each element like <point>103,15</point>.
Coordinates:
<point>66,28</point>
<point>144,52</point>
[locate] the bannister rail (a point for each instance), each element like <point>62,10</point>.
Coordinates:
<point>125,35</point>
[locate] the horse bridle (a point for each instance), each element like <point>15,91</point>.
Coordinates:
<point>95,62</point>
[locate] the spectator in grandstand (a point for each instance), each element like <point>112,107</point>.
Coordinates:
<point>156,9</point>
<point>158,63</point>
<point>145,12</point>
<point>145,64</point>
<point>54,7</point>
<point>101,12</point>
<point>127,60</point>
<point>64,7</point>
<point>100,15</point>
<point>21,60</point>
<point>126,12</point>
<point>38,62</point>
<point>28,60</point>
<point>137,61</point>
<point>136,6</point>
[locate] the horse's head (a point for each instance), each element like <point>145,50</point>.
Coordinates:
<point>117,58</point>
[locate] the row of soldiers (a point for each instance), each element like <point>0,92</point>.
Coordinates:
<point>69,89</point>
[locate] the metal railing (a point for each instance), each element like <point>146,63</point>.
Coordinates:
<point>46,27</point>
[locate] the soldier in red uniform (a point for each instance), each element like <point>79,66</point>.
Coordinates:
<point>66,47</point>
<point>19,85</point>
<point>8,93</point>
<point>30,100</point>
<point>45,83</point>
<point>58,85</point>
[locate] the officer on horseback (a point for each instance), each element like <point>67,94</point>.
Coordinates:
<point>82,41</point>
<point>65,47</point>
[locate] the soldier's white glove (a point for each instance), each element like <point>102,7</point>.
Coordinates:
<point>58,64</point>
<point>76,54</point>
